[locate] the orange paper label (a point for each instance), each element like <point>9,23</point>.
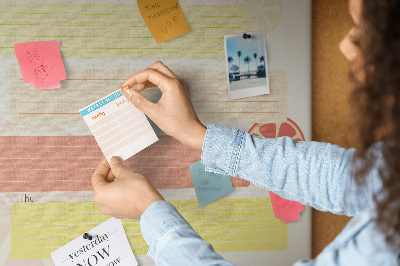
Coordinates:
<point>164,19</point>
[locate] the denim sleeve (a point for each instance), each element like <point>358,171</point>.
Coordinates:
<point>172,241</point>
<point>312,173</point>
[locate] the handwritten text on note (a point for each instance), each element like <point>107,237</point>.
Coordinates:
<point>41,63</point>
<point>164,19</point>
<point>209,186</point>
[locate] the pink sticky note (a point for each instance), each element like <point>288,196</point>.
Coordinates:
<point>41,63</point>
<point>284,209</point>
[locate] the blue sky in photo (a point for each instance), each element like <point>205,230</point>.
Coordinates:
<point>248,47</point>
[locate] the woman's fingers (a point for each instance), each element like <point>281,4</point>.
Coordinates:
<point>159,80</point>
<point>100,174</point>
<point>174,112</point>
<point>141,102</point>
<point>160,67</point>
<point>142,86</point>
<point>110,177</point>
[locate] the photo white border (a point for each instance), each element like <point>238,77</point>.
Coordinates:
<point>247,92</point>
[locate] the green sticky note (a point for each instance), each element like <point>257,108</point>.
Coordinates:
<point>209,186</point>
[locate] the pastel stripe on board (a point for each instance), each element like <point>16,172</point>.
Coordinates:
<point>207,88</point>
<point>66,163</point>
<point>117,30</point>
<point>230,225</point>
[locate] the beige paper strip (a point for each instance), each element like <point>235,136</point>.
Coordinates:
<point>208,91</point>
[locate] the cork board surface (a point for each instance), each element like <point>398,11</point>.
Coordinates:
<point>330,107</point>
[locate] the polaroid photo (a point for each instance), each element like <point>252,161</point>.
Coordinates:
<point>246,64</point>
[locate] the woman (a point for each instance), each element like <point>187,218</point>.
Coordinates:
<point>364,183</point>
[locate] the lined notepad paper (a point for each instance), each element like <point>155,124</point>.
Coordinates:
<point>118,126</point>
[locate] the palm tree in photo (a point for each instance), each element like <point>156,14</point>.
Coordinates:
<point>247,60</point>
<point>255,57</point>
<point>262,59</point>
<point>234,68</point>
<point>230,59</point>
<point>239,54</point>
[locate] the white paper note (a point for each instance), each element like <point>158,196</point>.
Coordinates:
<point>109,246</point>
<point>118,126</point>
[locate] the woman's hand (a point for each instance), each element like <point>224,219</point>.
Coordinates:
<point>122,193</point>
<point>174,112</point>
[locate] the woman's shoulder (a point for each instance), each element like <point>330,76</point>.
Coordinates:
<point>362,241</point>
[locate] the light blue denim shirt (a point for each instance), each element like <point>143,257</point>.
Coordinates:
<point>312,173</point>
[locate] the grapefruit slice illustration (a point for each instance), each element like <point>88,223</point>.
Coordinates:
<point>265,14</point>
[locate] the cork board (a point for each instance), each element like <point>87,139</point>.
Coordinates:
<point>330,108</point>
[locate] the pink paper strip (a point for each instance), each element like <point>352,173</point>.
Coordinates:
<point>284,209</point>
<point>41,63</point>
<point>66,163</point>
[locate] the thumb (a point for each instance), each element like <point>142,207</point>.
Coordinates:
<point>116,166</point>
<point>138,100</point>
<point>99,176</point>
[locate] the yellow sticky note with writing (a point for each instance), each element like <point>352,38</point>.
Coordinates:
<point>164,18</point>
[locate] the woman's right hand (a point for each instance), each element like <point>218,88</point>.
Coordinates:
<point>174,112</point>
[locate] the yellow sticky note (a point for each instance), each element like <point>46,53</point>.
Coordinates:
<point>164,18</point>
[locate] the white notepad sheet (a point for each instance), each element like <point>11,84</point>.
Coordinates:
<point>118,126</point>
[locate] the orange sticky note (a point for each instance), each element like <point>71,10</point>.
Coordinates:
<point>41,63</point>
<point>164,18</point>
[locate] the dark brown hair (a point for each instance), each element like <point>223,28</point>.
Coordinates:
<point>376,106</point>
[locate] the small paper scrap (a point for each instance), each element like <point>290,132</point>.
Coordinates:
<point>209,186</point>
<point>284,209</point>
<point>164,19</point>
<point>118,126</point>
<point>41,64</point>
<point>108,246</point>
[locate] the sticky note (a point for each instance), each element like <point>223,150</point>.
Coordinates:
<point>209,186</point>
<point>41,63</point>
<point>119,128</point>
<point>284,209</point>
<point>164,19</point>
<point>108,246</point>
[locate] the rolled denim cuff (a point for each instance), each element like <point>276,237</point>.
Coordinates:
<point>156,221</point>
<point>222,148</point>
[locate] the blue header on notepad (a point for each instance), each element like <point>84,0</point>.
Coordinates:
<point>101,103</point>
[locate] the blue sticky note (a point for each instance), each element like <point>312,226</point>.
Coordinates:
<point>209,186</point>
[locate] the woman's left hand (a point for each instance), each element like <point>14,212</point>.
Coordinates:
<point>120,192</point>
